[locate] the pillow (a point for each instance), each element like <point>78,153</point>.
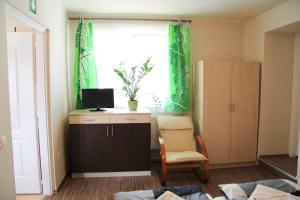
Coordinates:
<point>262,192</point>
<point>220,198</point>
<point>188,192</point>
<point>242,191</point>
<point>135,195</point>
<point>233,192</point>
<point>180,190</point>
<point>169,196</point>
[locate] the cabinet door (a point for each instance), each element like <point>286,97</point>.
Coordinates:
<point>140,147</point>
<point>130,145</point>
<point>216,113</point>
<point>89,146</point>
<point>245,97</point>
<point>119,140</point>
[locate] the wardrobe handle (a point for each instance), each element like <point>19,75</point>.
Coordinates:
<point>107,130</point>
<point>233,107</point>
<point>112,130</point>
<point>230,107</point>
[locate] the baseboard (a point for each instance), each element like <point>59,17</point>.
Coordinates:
<point>232,165</point>
<point>111,174</point>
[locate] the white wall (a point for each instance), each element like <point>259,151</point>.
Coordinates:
<point>217,39</point>
<point>210,39</point>
<point>51,14</point>
<point>255,31</point>
<point>7,186</point>
<point>72,26</point>
<point>12,23</point>
<point>295,114</point>
<point>256,27</point>
<point>276,118</point>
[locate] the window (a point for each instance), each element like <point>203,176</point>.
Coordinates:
<point>132,43</point>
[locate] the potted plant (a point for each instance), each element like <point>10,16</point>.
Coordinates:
<point>131,81</point>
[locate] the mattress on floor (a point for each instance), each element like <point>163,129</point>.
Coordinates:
<point>190,192</point>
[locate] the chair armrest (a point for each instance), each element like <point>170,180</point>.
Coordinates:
<point>200,141</point>
<point>162,148</point>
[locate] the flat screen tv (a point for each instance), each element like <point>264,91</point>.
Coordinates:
<point>96,99</point>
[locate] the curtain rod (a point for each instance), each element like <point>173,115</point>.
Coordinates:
<point>137,19</point>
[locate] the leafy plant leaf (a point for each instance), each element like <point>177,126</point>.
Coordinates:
<point>132,81</point>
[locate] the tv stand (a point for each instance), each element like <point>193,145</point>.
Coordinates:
<point>98,109</point>
<point>112,143</point>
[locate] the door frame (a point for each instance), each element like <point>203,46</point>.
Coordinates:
<point>42,94</point>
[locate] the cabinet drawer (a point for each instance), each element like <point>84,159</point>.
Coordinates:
<point>120,119</point>
<point>78,119</point>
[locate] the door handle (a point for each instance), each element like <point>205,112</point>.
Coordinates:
<point>112,130</point>
<point>107,130</point>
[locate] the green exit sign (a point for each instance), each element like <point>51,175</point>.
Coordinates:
<point>32,6</point>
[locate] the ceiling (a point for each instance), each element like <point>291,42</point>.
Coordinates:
<point>233,9</point>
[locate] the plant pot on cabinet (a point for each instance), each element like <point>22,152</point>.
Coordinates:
<point>132,105</point>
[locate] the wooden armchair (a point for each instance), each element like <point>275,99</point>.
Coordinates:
<point>178,147</point>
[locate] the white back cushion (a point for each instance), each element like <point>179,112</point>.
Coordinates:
<point>177,132</point>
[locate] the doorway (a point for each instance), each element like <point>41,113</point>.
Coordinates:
<point>279,147</point>
<point>28,92</point>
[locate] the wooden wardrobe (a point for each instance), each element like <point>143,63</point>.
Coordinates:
<point>227,109</point>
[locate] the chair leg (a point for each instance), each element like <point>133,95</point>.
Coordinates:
<point>163,177</point>
<point>204,173</point>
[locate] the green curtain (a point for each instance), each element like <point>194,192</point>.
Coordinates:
<point>179,68</point>
<point>85,72</point>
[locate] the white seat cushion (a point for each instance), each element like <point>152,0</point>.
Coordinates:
<point>184,156</point>
<point>177,132</point>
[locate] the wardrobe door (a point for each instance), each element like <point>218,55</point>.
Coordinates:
<point>245,99</point>
<point>216,114</point>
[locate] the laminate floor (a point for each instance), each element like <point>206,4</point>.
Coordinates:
<point>283,162</point>
<point>104,188</point>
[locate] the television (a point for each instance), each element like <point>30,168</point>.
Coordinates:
<point>96,99</point>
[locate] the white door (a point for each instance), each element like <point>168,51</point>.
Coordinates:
<point>23,112</point>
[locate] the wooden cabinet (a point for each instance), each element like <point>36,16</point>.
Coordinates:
<point>116,143</point>
<point>89,148</point>
<point>227,115</point>
<point>131,147</point>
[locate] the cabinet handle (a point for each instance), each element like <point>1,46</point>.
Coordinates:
<point>112,130</point>
<point>89,120</point>
<point>107,130</point>
<point>131,119</point>
<point>233,107</point>
<point>230,107</point>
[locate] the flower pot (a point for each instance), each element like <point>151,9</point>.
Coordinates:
<point>132,105</point>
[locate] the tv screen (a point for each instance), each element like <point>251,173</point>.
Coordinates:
<point>98,98</point>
